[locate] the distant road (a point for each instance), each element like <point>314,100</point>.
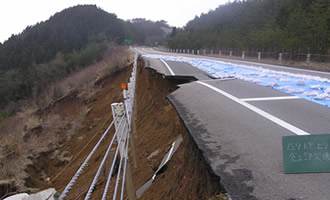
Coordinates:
<point>239,127</point>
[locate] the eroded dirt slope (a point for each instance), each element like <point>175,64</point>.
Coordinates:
<point>158,126</point>
<point>56,168</point>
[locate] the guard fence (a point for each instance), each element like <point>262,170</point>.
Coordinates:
<point>122,122</point>
<point>257,55</point>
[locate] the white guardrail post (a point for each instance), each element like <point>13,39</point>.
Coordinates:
<point>117,110</point>
<point>129,105</point>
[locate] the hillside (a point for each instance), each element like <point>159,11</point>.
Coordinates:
<point>64,32</point>
<point>269,25</point>
<point>70,40</point>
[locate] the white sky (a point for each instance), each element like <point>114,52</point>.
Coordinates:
<point>16,15</point>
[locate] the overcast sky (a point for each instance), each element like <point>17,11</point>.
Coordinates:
<point>16,15</point>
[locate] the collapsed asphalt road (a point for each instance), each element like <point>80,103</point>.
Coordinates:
<point>239,127</point>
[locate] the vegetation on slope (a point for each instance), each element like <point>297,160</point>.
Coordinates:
<point>260,24</point>
<point>69,41</point>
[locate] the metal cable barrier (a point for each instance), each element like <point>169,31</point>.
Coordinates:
<point>122,120</point>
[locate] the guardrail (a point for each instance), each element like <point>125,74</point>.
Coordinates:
<point>259,55</point>
<point>124,128</point>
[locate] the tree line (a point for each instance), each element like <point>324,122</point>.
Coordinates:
<point>261,25</point>
<point>65,43</point>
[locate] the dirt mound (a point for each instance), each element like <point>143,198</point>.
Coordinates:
<point>186,175</point>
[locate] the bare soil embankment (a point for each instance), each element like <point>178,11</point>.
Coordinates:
<point>186,176</point>
<point>158,125</point>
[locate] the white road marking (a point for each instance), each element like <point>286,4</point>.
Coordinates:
<point>257,110</point>
<point>270,98</point>
<point>168,67</point>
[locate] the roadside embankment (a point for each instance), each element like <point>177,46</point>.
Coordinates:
<point>185,176</point>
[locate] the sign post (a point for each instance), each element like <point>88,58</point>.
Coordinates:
<point>306,153</point>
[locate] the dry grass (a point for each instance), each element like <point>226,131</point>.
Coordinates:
<point>28,133</point>
<point>27,136</point>
<point>84,80</point>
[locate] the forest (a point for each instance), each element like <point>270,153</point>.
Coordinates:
<point>259,25</point>
<point>69,41</point>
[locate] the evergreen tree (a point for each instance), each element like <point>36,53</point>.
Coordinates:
<point>260,24</point>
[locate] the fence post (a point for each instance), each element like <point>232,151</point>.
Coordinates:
<point>308,58</point>
<point>230,53</point>
<point>243,55</point>
<point>187,51</point>
<point>259,56</point>
<point>197,52</point>
<point>211,52</point>
<point>193,51</point>
<point>118,110</point>
<point>220,53</point>
<point>204,52</point>
<point>129,183</point>
<point>117,113</point>
<point>280,55</point>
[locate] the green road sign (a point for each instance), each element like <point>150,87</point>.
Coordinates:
<point>307,153</point>
<point>128,41</point>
